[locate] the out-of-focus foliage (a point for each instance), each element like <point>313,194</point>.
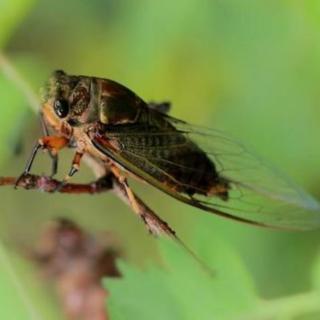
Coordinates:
<point>12,12</point>
<point>249,67</point>
<point>16,305</point>
<point>182,289</point>
<point>12,101</point>
<point>16,302</point>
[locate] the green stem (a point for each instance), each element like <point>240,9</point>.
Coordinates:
<point>13,75</point>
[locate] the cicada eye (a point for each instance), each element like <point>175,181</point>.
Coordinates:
<point>61,108</point>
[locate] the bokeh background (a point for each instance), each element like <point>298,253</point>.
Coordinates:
<point>250,68</point>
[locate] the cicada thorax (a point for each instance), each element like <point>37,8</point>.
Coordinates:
<point>117,104</point>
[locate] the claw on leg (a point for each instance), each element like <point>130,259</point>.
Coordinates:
<point>74,169</point>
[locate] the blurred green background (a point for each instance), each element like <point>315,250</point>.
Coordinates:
<point>250,68</point>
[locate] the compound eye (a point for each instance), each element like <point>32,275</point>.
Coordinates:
<point>61,108</point>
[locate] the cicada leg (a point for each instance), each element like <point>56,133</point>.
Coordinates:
<point>73,170</point>
<point>53,156</point>
<point>153,222</point>
<point>52,143</point>
<point>130,195</point>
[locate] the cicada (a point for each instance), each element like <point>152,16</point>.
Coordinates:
<point>201,167</point>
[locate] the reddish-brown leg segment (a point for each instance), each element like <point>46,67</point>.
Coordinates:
<point>53,143</point>
<point>54,157</point>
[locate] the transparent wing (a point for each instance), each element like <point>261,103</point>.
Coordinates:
<point>259,193</point>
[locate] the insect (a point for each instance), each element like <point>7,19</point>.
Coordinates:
<point>116,129</point>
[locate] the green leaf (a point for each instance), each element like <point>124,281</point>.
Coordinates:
<point>182,289</point>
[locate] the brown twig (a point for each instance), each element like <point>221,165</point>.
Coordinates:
<point>156,226</point>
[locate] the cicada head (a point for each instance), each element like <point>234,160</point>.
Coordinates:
<point>67,99</point>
